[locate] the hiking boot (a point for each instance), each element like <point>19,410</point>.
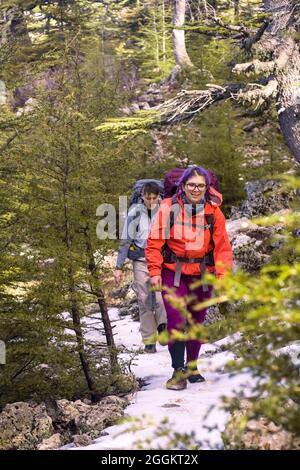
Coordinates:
<point>177,381</point>
<point>150,348</point>
<point>160,329</point>
<point>193,375</point>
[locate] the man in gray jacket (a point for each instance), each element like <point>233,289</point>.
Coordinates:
<point>134,237</point>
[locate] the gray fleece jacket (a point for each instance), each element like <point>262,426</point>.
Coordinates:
<point>136,229</point>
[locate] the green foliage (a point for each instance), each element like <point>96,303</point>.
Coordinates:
<point>214,142</point>
<point>150,47</point>
<point>54,174</point>
<point>123,128</point>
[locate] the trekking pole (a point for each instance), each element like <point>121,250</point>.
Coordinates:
<point>153,301</point>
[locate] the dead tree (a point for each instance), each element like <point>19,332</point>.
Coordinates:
<point>278,38</point>
<point>180,52</point>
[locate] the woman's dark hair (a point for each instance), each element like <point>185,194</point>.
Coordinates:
<point>193,171</point>
<point>150,188</point>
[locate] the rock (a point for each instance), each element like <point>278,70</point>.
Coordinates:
<point>86,401</point>
<point>134,107</point>
<point>21,95</point>
<point>256,433</point>
<point>132,310</point>
<point>263,197</point>
<point>135,312</point>
<point>68,411</point>
<point>170,405</point>
<point>240,240</point>
<point>213,315</point>
<point>125,383</point>
<point>97,418</point>
<point>249,258</point>
<point>83,419</point>
<point>144,105</point>
<point>24,426</point>
<point>124,311</point>
<point>29,426</point>
<point>241,225</point>
<point>53,442</point>
<point>252,244</point>
<point>114,400</point>
<point>129,304</point>
<point>82,440</point>
<point>126,110</point>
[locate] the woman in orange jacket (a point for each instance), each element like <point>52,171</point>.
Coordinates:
<point>188,238</point>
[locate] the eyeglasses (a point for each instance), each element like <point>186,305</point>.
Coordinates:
<point>193,186</point>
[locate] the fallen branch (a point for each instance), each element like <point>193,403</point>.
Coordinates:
<point>188,103</point>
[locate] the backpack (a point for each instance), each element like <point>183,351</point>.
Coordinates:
<point>174,175</point>
<point>136,196</point>
<point>135,252</point>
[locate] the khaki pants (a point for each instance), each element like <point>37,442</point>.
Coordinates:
<point>149,320</point>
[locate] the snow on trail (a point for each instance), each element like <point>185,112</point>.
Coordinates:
<point>186,410</point>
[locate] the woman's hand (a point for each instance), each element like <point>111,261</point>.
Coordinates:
<point>118,275</point>
<point>155,281</point>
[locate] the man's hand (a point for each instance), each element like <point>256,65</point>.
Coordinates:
<point>155,281</point>
<point>118,275</point>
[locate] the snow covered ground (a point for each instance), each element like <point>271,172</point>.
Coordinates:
<point>197,409</point>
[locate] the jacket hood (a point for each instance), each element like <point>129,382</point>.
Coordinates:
<point>214,197</point>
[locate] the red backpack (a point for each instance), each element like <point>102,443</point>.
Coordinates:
<point>174,175</point>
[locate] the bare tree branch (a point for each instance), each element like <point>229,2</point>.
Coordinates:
<point>255,66</point>
<point>247,43</point>
<point>237,28</point>
<point>186,104</point>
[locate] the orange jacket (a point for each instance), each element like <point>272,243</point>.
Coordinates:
<point>188,240</point>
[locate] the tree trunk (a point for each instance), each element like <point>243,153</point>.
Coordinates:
<point>285,28</point>
<point>13,26</point>
<point>289,103</point>
<point>75,310</point>
<point>164,54</point>
<point>181,55</point>
<point>156,39</point>
<point>98,292</point>
<point>237,8</point>
<point>80,339</point>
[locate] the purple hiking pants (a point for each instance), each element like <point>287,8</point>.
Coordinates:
<point>176,321</point>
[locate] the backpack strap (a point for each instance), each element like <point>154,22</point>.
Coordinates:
<point>210,221</point>
<point>171,257</point>
<point>172,215</point>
